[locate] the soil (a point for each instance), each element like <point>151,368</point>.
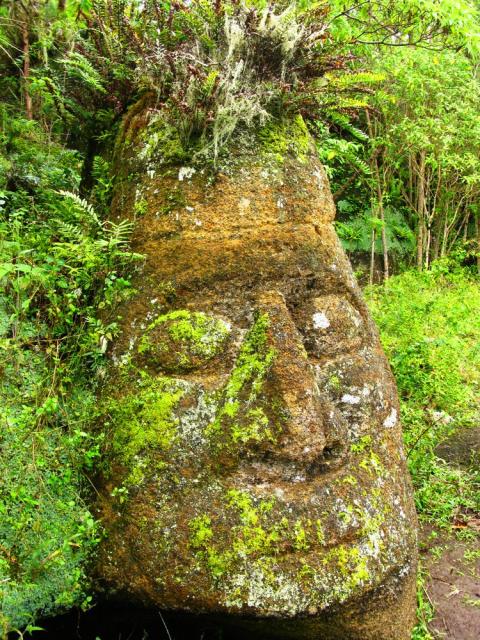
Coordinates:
<point>453,585</point>
<point>453,564</point>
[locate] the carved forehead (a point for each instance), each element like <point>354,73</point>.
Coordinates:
<point>258,190</point>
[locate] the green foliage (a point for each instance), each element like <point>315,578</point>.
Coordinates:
<point>430,330</point>
<point>46,531</point>
<point>421,162</point>
<point>59,264</point>
<point>425,610</point>
<point>356,232</point>
<point>222,67</point>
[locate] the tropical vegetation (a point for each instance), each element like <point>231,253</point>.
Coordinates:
<point>390,92</point>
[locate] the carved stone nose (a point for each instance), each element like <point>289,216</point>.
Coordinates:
<point>312,428</point>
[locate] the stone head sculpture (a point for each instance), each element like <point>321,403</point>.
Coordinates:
<point>254,448</point>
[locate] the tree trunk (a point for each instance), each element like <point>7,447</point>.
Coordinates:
<point>372,258</point>
<point>62,4</point>
<point>428,247</point>
<point>86,179</point>
<point>26,70</point>
<point>477,226</point>
<point>421,211</point>
<point>381,211</point>
<point>374,162</point>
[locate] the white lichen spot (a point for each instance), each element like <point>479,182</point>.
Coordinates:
<point>357,321</point>
<point>280,203</point>
<point>190,209</point>
<point>442,417</point>
<point>191,424</point>
<point>185,173</point>
<point>272,593</point>
<point>347,398</point>
<point>391,420</point>
<point>320,320</point>
<point>318,175</point>
<point>243,205</point>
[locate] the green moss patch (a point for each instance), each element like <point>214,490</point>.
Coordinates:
<point>241,418</point>
<point>145,419</point>
<point>183,340</point>
<point>285,138</point>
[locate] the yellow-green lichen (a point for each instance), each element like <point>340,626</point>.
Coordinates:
<point>352,567</point>
<point>254,561</point>
<point>183,340</point>
<point>281,139</point>
<point>320,532</point>
<point>363,444</point>
<point>145,419</point>
<point>240,418</point>
<point>254,536</point>
<point>300,537</point>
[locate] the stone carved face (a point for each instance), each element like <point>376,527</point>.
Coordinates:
<point>253,436</point>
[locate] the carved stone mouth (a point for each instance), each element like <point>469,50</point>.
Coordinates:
<point>275,469</point>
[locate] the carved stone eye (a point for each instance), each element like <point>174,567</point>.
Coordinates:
<point>331,326</point>
<point>182,340</point>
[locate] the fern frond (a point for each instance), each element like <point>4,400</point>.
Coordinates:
<point>353,80</point>
<point>79,66</point>
<point>82,204</point>
<point>68,230</point>
<point>342,121</point>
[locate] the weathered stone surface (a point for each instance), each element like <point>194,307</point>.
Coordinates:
<point>253,441</point>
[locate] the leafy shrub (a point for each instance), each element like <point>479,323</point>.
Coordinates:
<point>430,329</point>
<point>59,265</point>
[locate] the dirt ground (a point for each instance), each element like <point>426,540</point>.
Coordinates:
<point>453,586</point>
<point>453,565</point>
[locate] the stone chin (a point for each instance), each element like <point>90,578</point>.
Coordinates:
<point>254,464</point>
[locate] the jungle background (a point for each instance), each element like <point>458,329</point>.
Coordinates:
<point>390,92</point>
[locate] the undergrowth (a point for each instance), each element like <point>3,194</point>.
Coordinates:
<point>60,273</point>
<point>430,329</point>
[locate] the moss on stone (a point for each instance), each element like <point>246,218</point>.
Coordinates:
<point>201,541</point>
<point>161,144</point>
<point>240,419</point>
<point>183,340</point>
<point>144,419</point>
<point>284,138</point>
